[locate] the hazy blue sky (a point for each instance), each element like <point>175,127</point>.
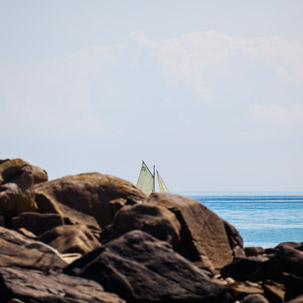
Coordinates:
<point>209,91</point>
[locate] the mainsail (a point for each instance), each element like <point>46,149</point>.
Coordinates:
<point>146,181</point>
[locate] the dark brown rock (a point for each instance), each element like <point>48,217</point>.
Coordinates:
<point>254,251</point>
<point>36,286</point>
<point>37,223</point>
<point>273,291</point>
<point>85,196</point>
<point>290,260</point>
<point>293,286</point>
<point>296,300</point>
<point>17,250</point>
<point>205,236</point>
<point>254,298</point>
<point>16,187</point>
<point>242,269</point>
<point>296,245</point>
<point>140,268</point>
<point>153,219</point>
<point>70,239</point>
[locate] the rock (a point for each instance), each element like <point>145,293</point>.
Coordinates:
<point>204,235</point>
<point>274,291</point>
<point>254,251</point>
<point>17,250</point>
<point>70,239</point>
<point>40,287</point>
<point>28,234</point>
<point>14,300</point>
<point>242,269</point>
<point>293,286</point>
<point>153,219</point>
<point>37,223</point>
<point>117,204</point>
<point>40,175</point>
<point>239,290</point>
<point>254,298</point>
<point>296,300</point>
<point>140,268</point>
<point>70,258</point>
<point>17,193</point>
<point>85,196</point>
<point>290,260</point>
<point>296,245</point>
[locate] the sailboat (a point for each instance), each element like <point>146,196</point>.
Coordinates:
<point>147,181</point>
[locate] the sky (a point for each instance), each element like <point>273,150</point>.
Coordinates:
<point>211,92</point>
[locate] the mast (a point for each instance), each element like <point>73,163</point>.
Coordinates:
<point>154,181</point>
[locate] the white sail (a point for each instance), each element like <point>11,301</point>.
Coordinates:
<point>145,180</point>
<point>162,186</point>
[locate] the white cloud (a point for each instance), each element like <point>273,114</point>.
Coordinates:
<point>278,115</point>
<point>186,58</point>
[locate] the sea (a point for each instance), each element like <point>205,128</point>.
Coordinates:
<point>262,219</point>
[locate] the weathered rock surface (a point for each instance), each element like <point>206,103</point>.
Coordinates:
<point>153,219</point>
<point>16,250</point>
<point>204,235</point>
<point>70,239</point>
<point>140,268</point>
<point>36,286</point>
<point>16,187</point>
<point>84,196</point>
<point>37,223</point>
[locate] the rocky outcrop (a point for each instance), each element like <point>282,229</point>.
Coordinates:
<point>164,248</point>
<point>205,237</point>
<point>17,193</point>
<point>153,219</point>
<point>35,286</point>
<point>140,268</point>
<point>70,239</point>
<point>86,196</point>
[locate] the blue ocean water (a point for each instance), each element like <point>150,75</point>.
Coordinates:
<point>262,220</point>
